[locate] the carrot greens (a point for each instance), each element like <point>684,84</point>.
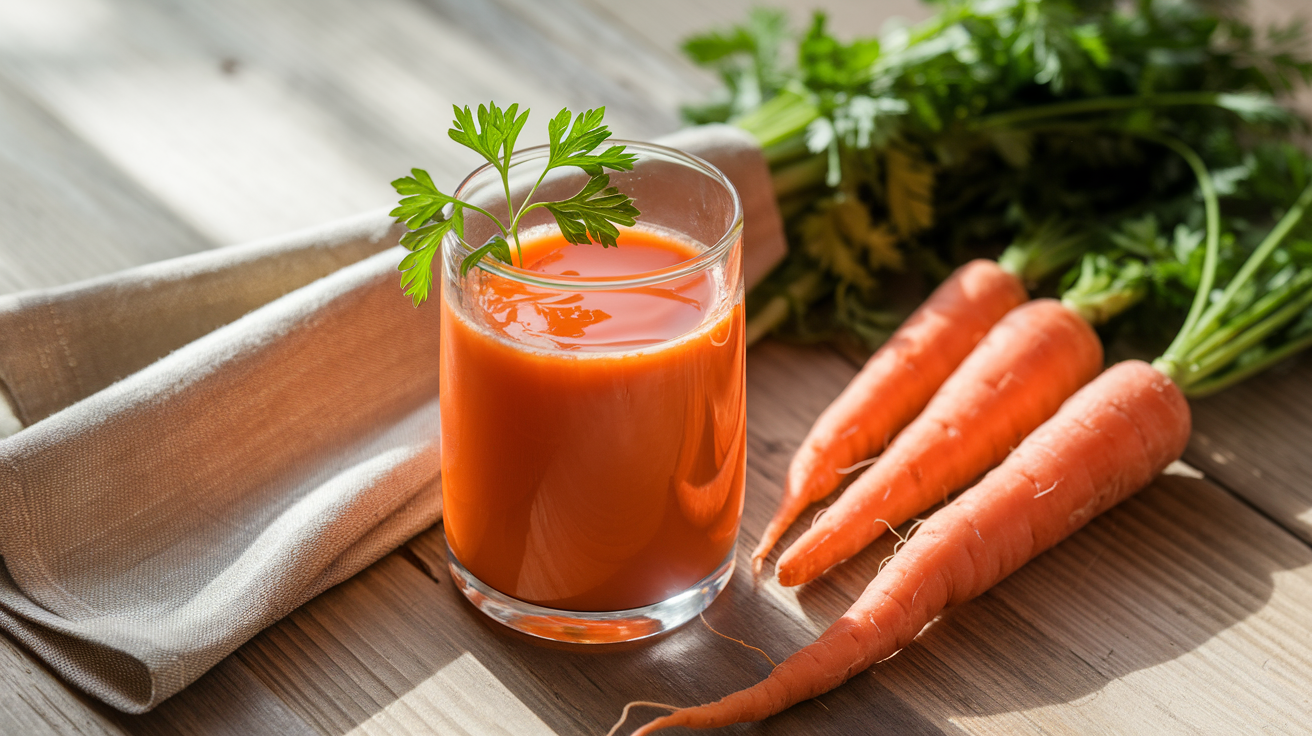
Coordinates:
<point>991,123</point>
<point>591,215</point>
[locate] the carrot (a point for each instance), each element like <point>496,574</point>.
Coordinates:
<point>893,386</point>
<point>1017,377</point>
<point>1108,441</point>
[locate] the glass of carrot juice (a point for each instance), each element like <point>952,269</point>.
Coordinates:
<point>593,412</point>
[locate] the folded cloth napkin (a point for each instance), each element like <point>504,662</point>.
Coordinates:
<point>211,441</point>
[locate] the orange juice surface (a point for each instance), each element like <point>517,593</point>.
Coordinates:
<point>593,447</point>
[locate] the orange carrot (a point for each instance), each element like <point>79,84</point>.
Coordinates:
<point>1108,441</point>
<point>1017,377</point>
<point>894,386</point>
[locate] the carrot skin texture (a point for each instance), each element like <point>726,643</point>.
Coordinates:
<point>1014,380</point>
<point>1108,441</point>
<point>894,386</point>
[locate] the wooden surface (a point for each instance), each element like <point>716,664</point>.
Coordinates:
<point>132,131</point>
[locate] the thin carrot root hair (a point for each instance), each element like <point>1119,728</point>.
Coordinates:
<point>960,434</point>
<point>901,540</point>
<point>624,716</point>
<point>892,388</point>
<point>818,514</point>
<point>707,624</point>
<point>853,468</point>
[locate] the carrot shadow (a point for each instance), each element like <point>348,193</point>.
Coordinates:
<point>1169,595</point>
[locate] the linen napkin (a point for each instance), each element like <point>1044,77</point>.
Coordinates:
<point>211,441</point>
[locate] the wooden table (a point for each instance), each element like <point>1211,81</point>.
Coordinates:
<point>132,131</point>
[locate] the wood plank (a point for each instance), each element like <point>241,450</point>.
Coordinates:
<point>1254,438</point>
<point>227,700</point>
<point>250,119</point>
<point>583,57</point>
<point>231,146</point>
<point>347,659</point>
<point>66,213</point>
<point>33,702</point>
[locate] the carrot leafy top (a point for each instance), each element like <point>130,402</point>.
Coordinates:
<point>591,215</point>
<point>1036,123</point>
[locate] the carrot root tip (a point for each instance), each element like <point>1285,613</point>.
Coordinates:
<point>624,715</point>
<point>707,624</point>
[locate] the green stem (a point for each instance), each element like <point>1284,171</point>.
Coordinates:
<point>782,117</point>
<point>524,207</point>
<point>1174,354</point>
<point>488,215</point>
<point>1250,316</point>
<point>1226,380</point>
<point>789,149</point>
<point>1040,253</point>
<point>1219,359</point>
<point>1213,315</point>
<point>1097,104</point>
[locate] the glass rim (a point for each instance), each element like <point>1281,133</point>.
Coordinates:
<point>684,268</point>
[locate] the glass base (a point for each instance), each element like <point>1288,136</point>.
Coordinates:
<point>591,627</point>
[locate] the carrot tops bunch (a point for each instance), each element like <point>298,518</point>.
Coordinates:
<point>1237,291</point>
<point>989,123</point>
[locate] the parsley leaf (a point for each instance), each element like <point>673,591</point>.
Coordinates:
<point>424,202</point>
<point>497,247</point>
<point>575,149</point>
<point>423,242</point>
<point>589,216</point>
<point>495,134</point>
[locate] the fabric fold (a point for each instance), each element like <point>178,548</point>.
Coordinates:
<point>209,442</point>
<point>225,482</point>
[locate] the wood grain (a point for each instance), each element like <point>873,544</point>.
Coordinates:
<point>1256,440</point>
<point>33,701</point>
<point>227,700</point>
<point>133,130</point>
<point>1184,581</point>
<point>66,212</point>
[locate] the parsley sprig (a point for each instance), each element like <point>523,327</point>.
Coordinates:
<point>590,216</point>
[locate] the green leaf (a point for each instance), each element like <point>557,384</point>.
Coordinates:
<point>497,248</point>
<point>841,236</point>
<point>494,133</point>
<point>1253,107</point>
<point>417,272</point>
<point>424,203</point>
<point>591,215</point>
<point>1106,287</point>
<point>424,243</point>
<point>574,146</point>
<point>747,58</point>
<point>827,64</point>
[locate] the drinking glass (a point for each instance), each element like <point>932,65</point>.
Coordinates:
<point>593,410</point>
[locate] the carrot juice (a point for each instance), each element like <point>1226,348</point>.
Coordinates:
<point>593,451</point>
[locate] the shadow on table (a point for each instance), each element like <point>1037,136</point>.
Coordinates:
<point>1152,581</point>
<point>1149,582</point>
<point>397,649</point>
